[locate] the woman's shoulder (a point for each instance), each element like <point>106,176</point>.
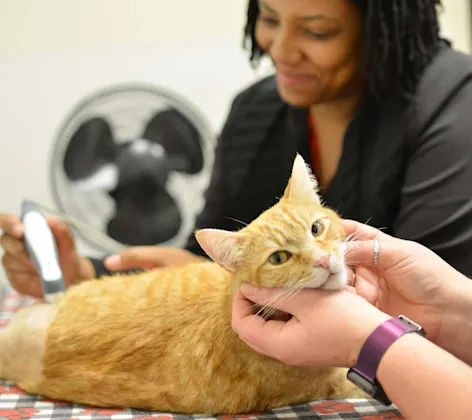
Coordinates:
<point>264,89</point>
<point>445,86</point>
<point>257,103</point>
<point>262,86</point>
<point>447,59</point>
<point>448,72</point>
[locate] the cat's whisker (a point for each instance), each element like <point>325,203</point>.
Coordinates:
<point>351,249</point>
<point>266,311</point>
<point>287,294</point>
<point>273,301</point>
<point>368,221</point>
<point>353,237</point>
<point>237,221</point>
<point>352,252</point>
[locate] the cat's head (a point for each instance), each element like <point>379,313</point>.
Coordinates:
<point>297,243</point>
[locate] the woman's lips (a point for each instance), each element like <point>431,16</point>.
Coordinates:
<point>287,78</point>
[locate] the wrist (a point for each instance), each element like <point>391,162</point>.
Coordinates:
<point>373,319</point>
<point>86,270</point>
<point>455,330</point>
<point>365,374</point>
<point>406,344</point>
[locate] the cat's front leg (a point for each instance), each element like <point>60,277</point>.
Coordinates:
<point>22,343</point>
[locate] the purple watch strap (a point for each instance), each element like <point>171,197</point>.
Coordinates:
<point>377,344</point>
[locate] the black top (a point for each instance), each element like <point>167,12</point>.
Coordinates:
<point>406,166</point>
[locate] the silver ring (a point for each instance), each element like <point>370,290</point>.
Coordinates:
<point>376,252</point>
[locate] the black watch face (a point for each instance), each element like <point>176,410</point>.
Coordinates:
<point>418,328</point>
<point>371,388</point>
<point>361,382</point>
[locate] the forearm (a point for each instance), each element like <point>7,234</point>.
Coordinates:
<point>455,333</point>
<point>424,381</point>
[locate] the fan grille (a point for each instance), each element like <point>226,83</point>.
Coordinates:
<point>128,108</point>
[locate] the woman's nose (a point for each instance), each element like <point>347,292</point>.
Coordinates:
<point>284,49</point>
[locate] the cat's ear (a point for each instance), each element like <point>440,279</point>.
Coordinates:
<point>221,246</point>
<point>302,185</point>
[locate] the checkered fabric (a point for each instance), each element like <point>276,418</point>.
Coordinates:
<point>16,405</point>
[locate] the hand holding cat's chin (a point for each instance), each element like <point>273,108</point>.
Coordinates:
<point>327,328</point>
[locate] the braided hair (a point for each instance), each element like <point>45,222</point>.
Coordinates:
<point>400,39</point>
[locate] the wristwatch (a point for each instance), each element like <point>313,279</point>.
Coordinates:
<point>364,373</point>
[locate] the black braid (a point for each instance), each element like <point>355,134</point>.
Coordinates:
<point>400,39</point>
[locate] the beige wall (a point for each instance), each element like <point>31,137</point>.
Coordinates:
<point>32,25</point>
<point>456,23</point>
<point>40,25</point>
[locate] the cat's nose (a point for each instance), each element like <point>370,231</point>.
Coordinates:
<point>322,262</point>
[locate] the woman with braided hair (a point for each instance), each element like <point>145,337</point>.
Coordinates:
<point>369,94</point>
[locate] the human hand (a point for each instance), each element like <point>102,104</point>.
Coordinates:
<point>149,257</point>
<point>326,329</point>
<point>409,278</point>
<point>19,267</point>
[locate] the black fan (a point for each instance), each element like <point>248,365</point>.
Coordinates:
<point>135,173</point>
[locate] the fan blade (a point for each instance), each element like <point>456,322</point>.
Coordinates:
<point>90,148</point>
<point>144,221</point>
<point>104,179</point>
<point>179,138</point>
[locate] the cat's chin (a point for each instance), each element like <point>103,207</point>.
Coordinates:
<point>335,281</point>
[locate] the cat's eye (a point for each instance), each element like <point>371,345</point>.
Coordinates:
<point>317,228</point>
<point>279,257</point>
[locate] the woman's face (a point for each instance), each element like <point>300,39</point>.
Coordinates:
<point>316,46</point>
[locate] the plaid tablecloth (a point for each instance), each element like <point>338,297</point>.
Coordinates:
<point>16,405</point>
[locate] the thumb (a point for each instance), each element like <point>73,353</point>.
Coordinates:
<point>266,337</point>
<point>146,257</point>
<point>64,238</point>
<point>389,253</point>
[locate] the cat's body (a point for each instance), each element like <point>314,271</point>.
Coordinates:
<point>163,340</point>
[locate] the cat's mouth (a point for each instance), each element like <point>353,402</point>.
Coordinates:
<point>328,279</point>
<point>335,281</point>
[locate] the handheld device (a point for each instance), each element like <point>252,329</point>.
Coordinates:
<point>41,246</point>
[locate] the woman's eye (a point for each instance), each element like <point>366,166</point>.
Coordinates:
<point>318,35</point>
<point>268,21</point>
<point>317,228</point>
<point>279,257</point>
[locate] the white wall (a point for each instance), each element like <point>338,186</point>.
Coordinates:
<point>456,23</point>
<point>52,25</point>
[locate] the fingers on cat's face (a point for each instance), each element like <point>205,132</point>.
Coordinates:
<point>299,248</point>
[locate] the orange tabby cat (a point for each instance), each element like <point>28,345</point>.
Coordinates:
<point>162,340</point>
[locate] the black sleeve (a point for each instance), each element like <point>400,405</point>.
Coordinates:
<point>100,269</point>
<point>436,200</point>
<point>216,195</point>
